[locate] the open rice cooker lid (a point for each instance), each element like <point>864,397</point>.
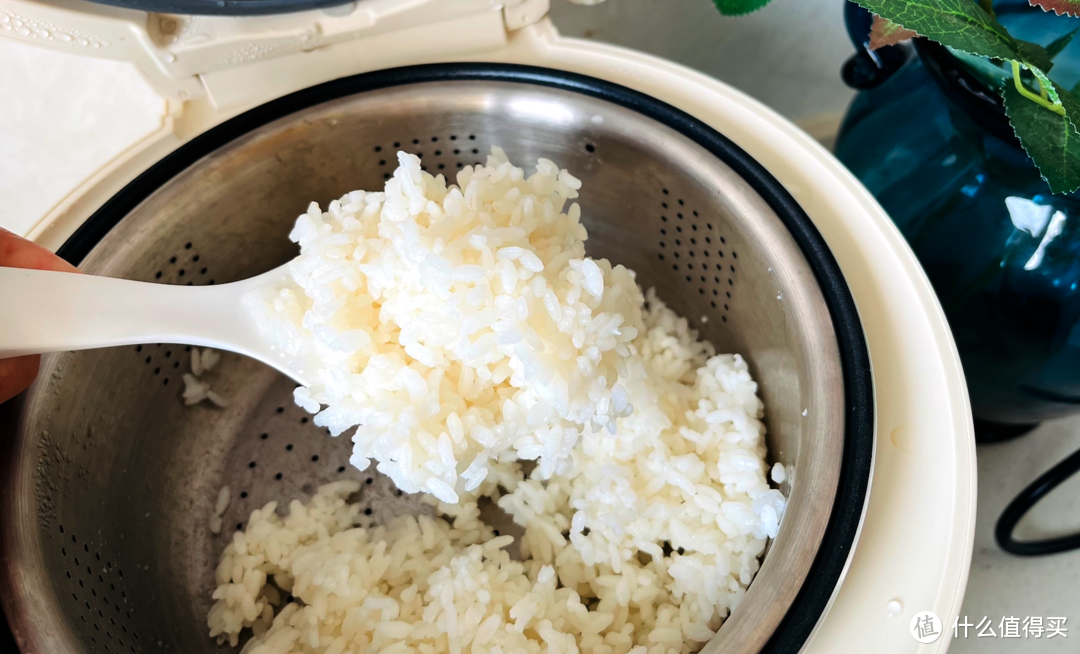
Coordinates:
<point>223,7</point>
<point>916,526</point>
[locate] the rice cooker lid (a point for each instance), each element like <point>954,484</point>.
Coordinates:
<point>225,7</point>
<point>237,54</point>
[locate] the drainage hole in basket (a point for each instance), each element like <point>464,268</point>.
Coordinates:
<point>243,495</point>
<point>590,148</point>
<point>278,476</point>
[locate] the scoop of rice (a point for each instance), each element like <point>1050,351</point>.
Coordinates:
<point>456,325</point>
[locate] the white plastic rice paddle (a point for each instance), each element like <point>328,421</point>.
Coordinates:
<point>46,311</point>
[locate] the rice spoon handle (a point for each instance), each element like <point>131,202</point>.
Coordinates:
<point>45,311</point>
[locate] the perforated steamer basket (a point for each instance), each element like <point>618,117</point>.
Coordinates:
<point>110,481</point>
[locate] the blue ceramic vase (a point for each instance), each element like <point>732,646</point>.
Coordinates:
<point>932,143</point>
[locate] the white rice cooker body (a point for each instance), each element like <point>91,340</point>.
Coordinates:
<point>914,548</point>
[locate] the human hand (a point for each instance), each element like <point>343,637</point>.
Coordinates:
<point>17,373</point>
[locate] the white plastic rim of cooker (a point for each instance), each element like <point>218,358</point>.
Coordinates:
<point>924,470</point>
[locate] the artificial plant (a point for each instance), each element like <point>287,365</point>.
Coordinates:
<point>1045,116</point>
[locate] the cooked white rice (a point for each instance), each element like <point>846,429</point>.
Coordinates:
<point>195,389</point>
<point>456,325</point>
<point>648,509</point>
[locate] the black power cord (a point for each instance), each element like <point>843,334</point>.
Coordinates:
<point>1025,501</point>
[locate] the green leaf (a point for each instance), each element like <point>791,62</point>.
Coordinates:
<point>1051,90</point>
<point>1059,7</point>
<point>1060,43</point>
<point>739,7</point>
<point>1034,55</point>
<point>1051,139</point>
<point>884,33</point>
<point>960,24</point>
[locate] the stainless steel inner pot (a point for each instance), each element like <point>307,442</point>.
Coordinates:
<point>111,481</point>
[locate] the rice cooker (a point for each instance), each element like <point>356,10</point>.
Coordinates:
<point>244,77</point>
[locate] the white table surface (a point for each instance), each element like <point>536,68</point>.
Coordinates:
<point>62,117</point>
<point>1002,585</point>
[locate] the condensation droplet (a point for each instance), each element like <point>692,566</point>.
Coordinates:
<point>894,608</point>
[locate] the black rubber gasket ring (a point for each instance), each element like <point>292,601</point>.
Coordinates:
<point>840,534</point>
